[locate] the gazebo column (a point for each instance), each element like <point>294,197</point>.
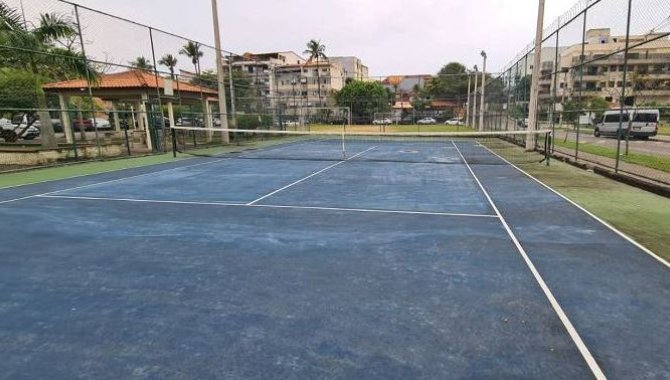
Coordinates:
<point>117,121</point>
<point>63,101</point>
<point>207,118</point>
<point>170,113</point>
<point>144,121</point>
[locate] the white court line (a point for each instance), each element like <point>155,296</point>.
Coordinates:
<point>233,204</point>
<point>308,177</point>
<point>590,360</point>
<point>380,211</point>
<point>587,212</point>
<point>111,181</point>
<point>139,200</point>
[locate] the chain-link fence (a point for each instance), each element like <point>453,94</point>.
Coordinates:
<point>80,84</point>
<point>604,87</point>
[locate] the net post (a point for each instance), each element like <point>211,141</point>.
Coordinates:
<point>125,134</point>
<point>174,142</point>
<point>547,147</point>
<point>344,151</point>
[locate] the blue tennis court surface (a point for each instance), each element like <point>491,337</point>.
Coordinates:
<point>396,260</point>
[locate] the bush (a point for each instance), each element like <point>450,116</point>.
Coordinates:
<point>253,121</point>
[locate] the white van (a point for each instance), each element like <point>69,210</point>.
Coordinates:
<point>644,123</point>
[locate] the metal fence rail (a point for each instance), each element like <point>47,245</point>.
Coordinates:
<point>605,69</point>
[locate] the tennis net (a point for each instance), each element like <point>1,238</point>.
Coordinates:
<point>488,148</point>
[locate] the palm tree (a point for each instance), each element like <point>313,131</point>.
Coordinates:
<point>316,50</point>
<point>192,50</point>
<point>10,19</point>
<point>169,61</point>
<point>44,57</point>
<point>142,64</point>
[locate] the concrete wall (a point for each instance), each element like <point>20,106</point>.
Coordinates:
<point>45,156</point>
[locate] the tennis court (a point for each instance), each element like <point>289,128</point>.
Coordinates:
<point>385,258</point>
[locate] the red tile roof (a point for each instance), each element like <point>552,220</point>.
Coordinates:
<point>127,80</point>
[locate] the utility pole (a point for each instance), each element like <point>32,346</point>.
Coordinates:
<point>474,100</point>
<point>223,113</point>
<point>535,79</point>
<point>482,106</point>
<point>467,102</point>
<point>232,92</point>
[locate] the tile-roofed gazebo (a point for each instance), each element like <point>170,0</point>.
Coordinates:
<point>132,79</point>
<point>141,89</point>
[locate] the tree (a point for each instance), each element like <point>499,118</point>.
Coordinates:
<point>522,88</point>
<point>451,82</point>
<point>32,47</point>
<point>141,63</point>
<point>244,93</point>
<point>192,50</point>
<point>316,50</point>
<point>364,98</point>
<point>19,90</point>
<point>598,106</point>
<point>421,99</point>
<point>206,79</point>
<point>169,61</point>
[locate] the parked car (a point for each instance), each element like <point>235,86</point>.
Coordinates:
<point>385,121</point>
<point>643,123</point>
<point>18,128</point>
<point>100,124</point>
<point>186,121</point>
<point>454,121</point>
<point>427,120</point>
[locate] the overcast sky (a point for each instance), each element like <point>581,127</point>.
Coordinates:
<point>390,36</point>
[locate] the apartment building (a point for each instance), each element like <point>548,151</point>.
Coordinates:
<point>602,75</point>
<point>310,84</point>
<point>287,80</point>
<point>258,68</point>
<point>353,68</point>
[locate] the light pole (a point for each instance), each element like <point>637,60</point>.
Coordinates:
<point>467,102</point>
<point>565,71</point>
<point>231,84</point>
<point>295,106</point>
<point>535,78</point>
<point>474,100</point>
<point>483,102</point>
<point>219,71</point>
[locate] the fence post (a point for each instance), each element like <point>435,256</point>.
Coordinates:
<point>554,85</point>
<point>158,139</point>
<point>581,83</point>
<point>88,81</point>
<point>622,101</point>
